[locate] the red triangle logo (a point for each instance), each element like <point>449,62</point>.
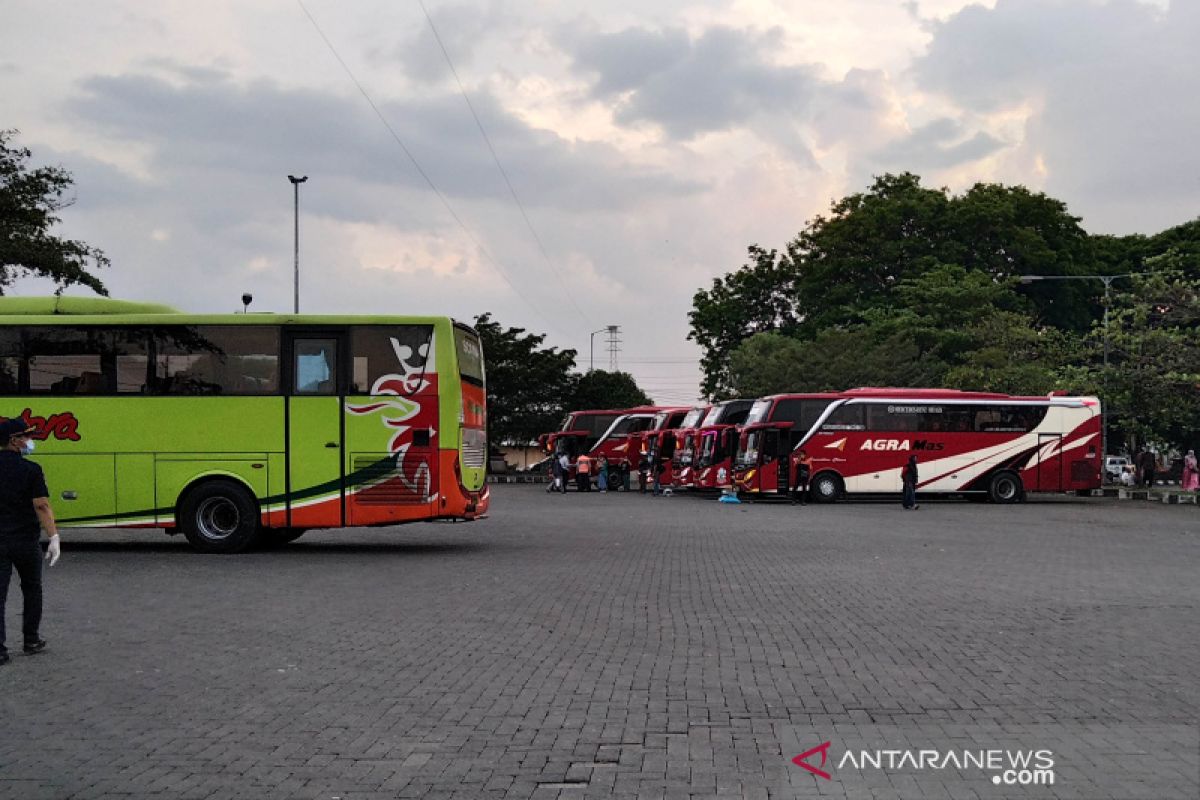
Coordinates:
<point>802,760</point>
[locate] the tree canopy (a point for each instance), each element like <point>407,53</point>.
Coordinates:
<point>903,285</point>
<point>528,385</point>
<point>600,389</point>
<point>29,201</point>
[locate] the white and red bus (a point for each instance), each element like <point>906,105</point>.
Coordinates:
<point>716,444</point>
<point>974,444</point>
<point>685,446</point>
<point>618,442</point>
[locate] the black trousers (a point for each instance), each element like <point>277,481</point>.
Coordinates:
<point>26,555</point>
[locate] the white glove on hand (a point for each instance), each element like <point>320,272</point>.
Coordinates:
<point>54,550</point>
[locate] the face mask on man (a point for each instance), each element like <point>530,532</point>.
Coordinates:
<point>27,447</point>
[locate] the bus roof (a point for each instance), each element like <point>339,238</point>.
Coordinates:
<point>73,306</point>
<point>107,311</point>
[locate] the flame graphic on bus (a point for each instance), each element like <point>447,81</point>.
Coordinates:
<point>396,412</point>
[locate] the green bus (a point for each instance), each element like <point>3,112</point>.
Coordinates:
<point>245,428</point>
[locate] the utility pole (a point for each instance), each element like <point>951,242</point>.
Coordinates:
<point>296,217</point>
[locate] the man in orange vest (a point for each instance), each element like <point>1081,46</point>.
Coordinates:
<point>583,473</point>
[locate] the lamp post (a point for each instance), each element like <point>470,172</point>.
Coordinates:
<point>1107,281</point>
<point>296,217</point>
<point>592,344</point>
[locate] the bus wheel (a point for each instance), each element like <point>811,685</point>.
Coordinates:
<point>1005,488</point>
<point>219,517</point>
<point>826,487</point>
<point>278,537</point>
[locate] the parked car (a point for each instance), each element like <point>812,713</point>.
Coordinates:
<point>1114,466</point>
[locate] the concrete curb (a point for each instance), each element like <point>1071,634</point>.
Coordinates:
<point>1167,496</point>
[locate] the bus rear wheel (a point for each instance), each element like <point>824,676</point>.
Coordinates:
<point>219,517</point>
<point>827,487</point>
<point>1005,488</point>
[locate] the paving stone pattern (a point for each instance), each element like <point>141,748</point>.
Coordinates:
<point>590,646</point>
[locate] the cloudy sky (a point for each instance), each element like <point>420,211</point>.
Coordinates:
<point>641,145</point>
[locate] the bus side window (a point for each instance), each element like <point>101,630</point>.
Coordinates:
<point>315,366</point>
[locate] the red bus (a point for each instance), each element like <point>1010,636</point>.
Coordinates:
<point>686,439</point>
<point>586,425</point>
<point>619,442</point>
<point>781,420</point>
<point>651,441</point>
<point>976,444</point>
<point>716,443</point>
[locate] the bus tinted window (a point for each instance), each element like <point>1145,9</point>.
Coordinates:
<point>10,360</point>
<point>379,352</point>
<point>470,355</point>
<point>846,417</point>
<point>217,359</point>
<point>953,417</point>
<point>1004,419</point>
<point>67,360</point>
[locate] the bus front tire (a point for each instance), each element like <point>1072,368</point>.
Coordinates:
<point>827,487</point>
<point>219,516</point>
<point>1005,487</point>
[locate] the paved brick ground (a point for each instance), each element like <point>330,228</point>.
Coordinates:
<point>591,646</point>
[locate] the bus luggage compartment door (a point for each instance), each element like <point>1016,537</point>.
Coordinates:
<point>1048,463</point>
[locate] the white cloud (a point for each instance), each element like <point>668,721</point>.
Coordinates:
<point>650,143</point>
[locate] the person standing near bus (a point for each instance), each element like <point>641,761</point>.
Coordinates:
<point>803,473</point>
<point>602,474</point>
<point>1190,481</point>
<point>1147,463</point>
<point>909,477</point>
<point>24,512</point>
<point>583,473</point>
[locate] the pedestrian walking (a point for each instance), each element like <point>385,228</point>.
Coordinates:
<point>24,513</point>
<point>555,474</point>
<point>909,477</point>
<point>602,474</point>
<point>583,473</point>
<point>803,472</point>
<point>1147,463</point>
<point>1191,478</point>
<point>643,472</point>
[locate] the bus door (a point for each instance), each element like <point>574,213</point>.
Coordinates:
<point>773,469</point>
<point>315,469</point>
<point>1048,463</point>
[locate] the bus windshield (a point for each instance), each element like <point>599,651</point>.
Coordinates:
<point>758,411</point>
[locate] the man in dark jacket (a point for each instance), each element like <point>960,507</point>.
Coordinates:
<point>24,513</point>
<point>1146,464</point>
<point>909,477</point>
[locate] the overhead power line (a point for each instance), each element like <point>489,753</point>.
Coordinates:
<point>503,172</point>
<point>421,171</point>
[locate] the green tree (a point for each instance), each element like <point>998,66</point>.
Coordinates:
<point>758,298</point>
<point>847,266</point>
<point>1152,384</point>
<point>528,386</point>
<point>29,202</point>
<point>601,389</point>
<point>946,327</point>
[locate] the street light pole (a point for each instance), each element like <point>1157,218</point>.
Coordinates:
<point>592,345</point>
<point>1107,281</point>
<point>296,218</point>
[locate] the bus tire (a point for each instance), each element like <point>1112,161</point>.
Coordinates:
<point>1005,487</point>
<point>219,516</point>
<point>826,487</point>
